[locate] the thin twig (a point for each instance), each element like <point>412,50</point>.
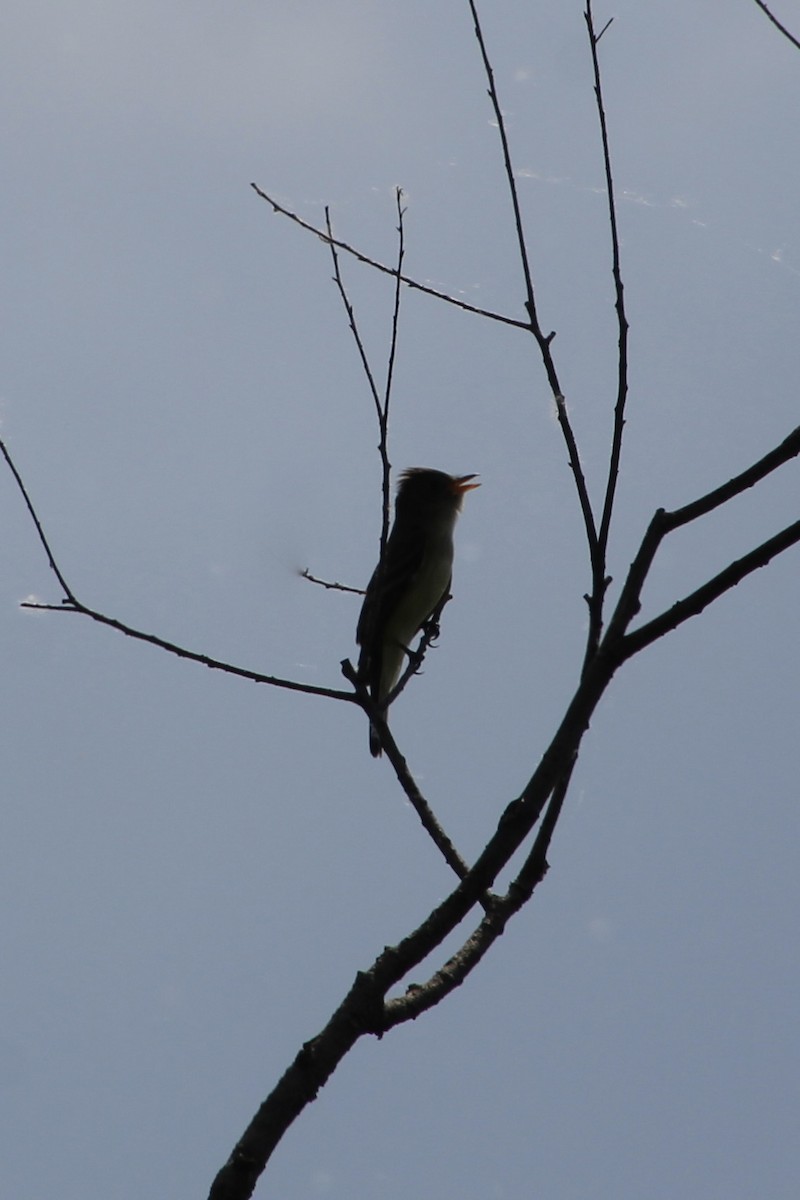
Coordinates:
<point>600,582</point>
<point>542,340</point>
<point>71,604</point>
<point>664,522</point>
<point>788,449</point>
<point>69,594</point>
<point>724,581</point>
<point>378,266</point>
<point>530,299</point>
<point>610,21</point>
<point>351,317</point>
<point>777,24</point>
<point>331,586</point>
<point>406,779</point>
<point>214,664</point>
<point>383,415</point>
<point>383,445</point>
<point>381,402</point>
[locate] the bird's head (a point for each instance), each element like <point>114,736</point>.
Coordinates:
<point>426,488</point>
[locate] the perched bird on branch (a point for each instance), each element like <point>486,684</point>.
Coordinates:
<point>411,583</point>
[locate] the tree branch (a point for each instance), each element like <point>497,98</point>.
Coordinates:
<point>383,421</point>
<point>777,24</point>
<point>331,585</point>
<point>381,403</point>
<point>378,266</point>
<point>351,319</point>
<point>420,998</point>
<point>600,580</point>
<point>530,298</point>
<point>365,1009</point>
<point>214,664</point>
<point>67,590</point>
<point>664,522</point>
<point>543,340</point>
<point>72,604</point>
<point>788,449</point>
<point>404,777</point>
<point>720,583</point>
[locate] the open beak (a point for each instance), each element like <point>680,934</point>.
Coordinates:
<point>461,484</point>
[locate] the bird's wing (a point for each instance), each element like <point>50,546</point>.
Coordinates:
<point>389,582</point>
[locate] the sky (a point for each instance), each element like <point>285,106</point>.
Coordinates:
<point>194,867</point>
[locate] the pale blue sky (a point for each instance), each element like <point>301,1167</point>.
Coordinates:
<point>193,868</point>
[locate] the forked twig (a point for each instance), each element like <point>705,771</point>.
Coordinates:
<point>601,580</point>
<point>419,998</point>
<point>724,581</point>
<point>664,522</point>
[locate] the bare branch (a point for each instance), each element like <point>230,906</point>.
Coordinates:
<point>419,998</point>
<point>383,446</point>
<point>351,318</point>
<point>38,525</point>
<point>777,24</point>
<point>364,1009</point>
<point>331,586</point>
<point>788,449</point>
<point>404,777</point>
<point>530,299</point>
<point>610,21</point>
<point>71,604</point>
<point>313,1065</point>
<point>699,599</point>
<point>542,340</point>
<point>378,266</point>
<point>214,664</point>
<point>663,522</point>
<point>381,402</point>
<point>600,580</point>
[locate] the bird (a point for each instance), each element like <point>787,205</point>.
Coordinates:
<point>411,583</point>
